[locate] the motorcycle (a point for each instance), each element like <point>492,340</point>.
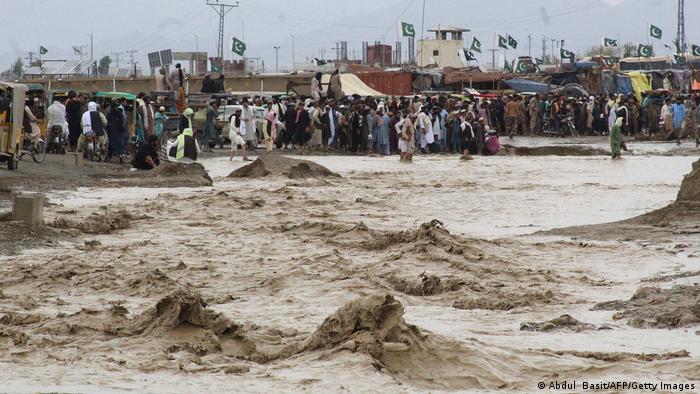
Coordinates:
<point>92,150</point>
<point>56,143</point>
<point>36,149</point>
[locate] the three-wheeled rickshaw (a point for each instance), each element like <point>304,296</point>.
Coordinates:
<point>12,97</point>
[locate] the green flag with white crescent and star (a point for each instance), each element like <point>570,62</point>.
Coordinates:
<point>476,45</point>
<point>539,60</point>
<point>512,42</point>
<point>468,55</point>
<point>507,67</point>
<point>43,51</point>
<point>696,50</point>
<point>565,54</point>
<point>238,47</point>
<point>522,67</point>
<point>609,42</point>
<point>407,30</point>
<point>502,42</point>
<point>610,60</point>
<point>680,59</point>
<point>645,51</point>
<point>655,32</point>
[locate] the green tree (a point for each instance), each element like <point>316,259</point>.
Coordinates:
<point>18,67</point>
<point>103,67</point>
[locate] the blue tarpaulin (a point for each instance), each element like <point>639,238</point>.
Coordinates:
<point>624,84</point>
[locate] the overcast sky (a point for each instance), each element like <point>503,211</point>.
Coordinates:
<point>317,25</point>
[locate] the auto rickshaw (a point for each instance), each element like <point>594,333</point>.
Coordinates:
<point>12,97</point>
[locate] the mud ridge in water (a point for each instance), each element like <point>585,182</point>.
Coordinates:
<point>426,285</point>
<point>563,322</point>
<point>622,356</point>
<point>653,307</point>
<point>277,165</point>
<point>555,150</point>
<point>99,223</point>
<point>501,300</point>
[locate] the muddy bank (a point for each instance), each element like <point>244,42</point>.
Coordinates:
<point>277,165</point>
<point>554,150</point>
<point>653,307</point>
<point>678,218</point>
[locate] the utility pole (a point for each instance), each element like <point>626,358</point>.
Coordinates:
<point>221,9</point>
<point>277,59</point>
<point>544,49</point>
<point>31,58</point>
<point>554,41</point>
<point>293,58</point>
<point>131,59</point>
<point>529,45</point>
<point>681,27</point>
<point>116,58</point>
<point>493,57</point>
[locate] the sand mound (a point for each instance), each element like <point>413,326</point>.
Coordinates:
<point>99,223</point>
<point>178,308</point>
<point>690,188</point>
<point>282,166</point>
<point>555,150</point>
<point>654,307</point>
<point>563,322</point>
<point>194,173</point>
<point>375,325</point>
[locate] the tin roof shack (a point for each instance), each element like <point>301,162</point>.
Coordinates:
<point>456,79</point>
<point>393,83</point>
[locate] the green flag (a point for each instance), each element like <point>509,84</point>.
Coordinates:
<point>238,47</point>
<point>609,42</point>
<point>502,42</point>
<point>469,55</point>
<point>476,45</point>
<point>567,55</point>
<point>539,60</point>
<point>512,42</point>
<point>655,32</point>
<point>216,68</point>
<point>522,67</point>
<point>507,67</point>
<point>407,30</point>
<point>680,59</point>
<point>43,51</point>
<point>696,50</point>
<point>610,60</point>
<point>645,51</point>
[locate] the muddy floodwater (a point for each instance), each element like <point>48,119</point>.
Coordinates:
<point>425,277</point>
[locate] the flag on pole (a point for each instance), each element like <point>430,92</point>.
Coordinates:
<point>77,50</point>
<point>696,50</point>
<point>565,54</point>
<point>42,50</point>
<point>609,42</point>
<point>680,59</point>
<point>539,60</point>
<point>468,55</point>
<point>216,68</point>
<point>502,42</point>
<point>512,42</point>
<point>407,30</point>
<point>522,67</point>
<point>611,60</point>
<point>655,32</point>
<point>645,51</point>
<point>476,45</point>
<point>238,47</point>
<point>507,67</point>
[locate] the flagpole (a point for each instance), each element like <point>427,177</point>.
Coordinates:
<point>422,37</point>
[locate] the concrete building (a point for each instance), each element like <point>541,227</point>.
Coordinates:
<point>444,50</point>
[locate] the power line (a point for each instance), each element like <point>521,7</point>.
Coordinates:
<point>223,9</point>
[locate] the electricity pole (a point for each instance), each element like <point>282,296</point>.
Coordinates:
<point>681,27</point>
<point>277,59</point>
<point>221,9</point>
<point>116,58</point>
